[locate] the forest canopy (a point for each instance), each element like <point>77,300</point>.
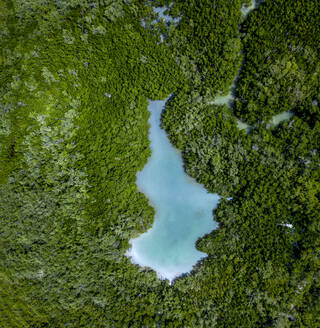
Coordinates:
<point>75,79</point>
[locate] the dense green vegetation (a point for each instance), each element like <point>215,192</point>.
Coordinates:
<point>75,77</point>
<point>281,70</point>
<point>269,231</point>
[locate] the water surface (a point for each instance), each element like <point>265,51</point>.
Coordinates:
<point>167,18</point>
<point>279,118</point>
<point>245,10</point>
<point>183,208</point>
<point>228,100</point>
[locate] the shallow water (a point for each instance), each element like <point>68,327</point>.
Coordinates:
<point>167,18</point>
<point>243,126</point>
<point>284,116</point>
<point>183,208</point>
<point>228,101</point>
<point>246,10</point>
<point>225,100</point>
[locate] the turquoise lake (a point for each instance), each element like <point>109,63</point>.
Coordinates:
<point>184,209</point>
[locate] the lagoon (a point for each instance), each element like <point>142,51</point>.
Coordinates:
<point>184,209</point>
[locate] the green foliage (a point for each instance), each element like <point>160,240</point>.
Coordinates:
<point>75,77</point>
<point>281,70</point>
<point>209,61</point>
<point>257,264</point>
